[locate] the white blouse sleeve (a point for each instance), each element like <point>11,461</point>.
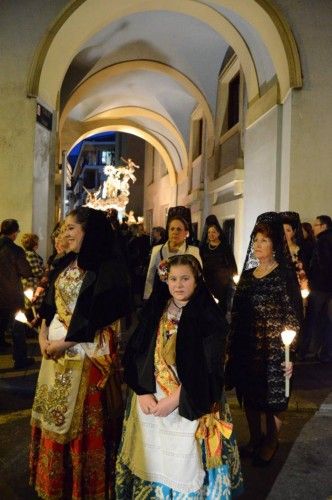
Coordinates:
<point>195,252</point>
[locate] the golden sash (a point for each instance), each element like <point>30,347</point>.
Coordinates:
<point>210,428</point>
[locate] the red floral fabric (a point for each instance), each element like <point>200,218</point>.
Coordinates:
<point>82,468</point>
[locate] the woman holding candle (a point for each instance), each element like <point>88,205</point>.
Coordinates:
<point>294,239</point>
<point>219,264</point>
<point>77,411</point>
<point>265,304</point>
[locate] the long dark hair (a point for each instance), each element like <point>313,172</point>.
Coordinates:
<point>98,240</point>
<point>308,229</point>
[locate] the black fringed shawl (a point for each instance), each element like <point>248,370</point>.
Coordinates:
<point>105,291</point>
<point>200,349</point>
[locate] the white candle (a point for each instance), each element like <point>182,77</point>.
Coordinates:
<point>287,338</point>
<point>20,316</point>
<point>28,293</point>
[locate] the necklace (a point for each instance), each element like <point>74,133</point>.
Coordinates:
<point>263,271</point>
<point>178,307</point>
<point>213,247</point>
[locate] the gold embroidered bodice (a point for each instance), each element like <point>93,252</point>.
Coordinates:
<point>67,289</point>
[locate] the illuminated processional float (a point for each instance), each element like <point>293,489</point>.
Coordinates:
<point>115,191</point>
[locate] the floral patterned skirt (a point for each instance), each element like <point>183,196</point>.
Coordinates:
<point>82,467</point>
<point>222,483</point>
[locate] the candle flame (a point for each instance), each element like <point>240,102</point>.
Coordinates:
<point>28,293</point>
<point>305,293</point>
<point>288,336</point>
<point>20,316</point>
<point>236,278</point>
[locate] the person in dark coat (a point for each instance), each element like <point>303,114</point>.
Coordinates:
<point>317,340</point>
<point>13,267</point>
<point>219,264</point>
<point>138,256</point>
<point>308,243</point>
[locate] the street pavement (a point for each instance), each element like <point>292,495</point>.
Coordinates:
<point>301,469</point>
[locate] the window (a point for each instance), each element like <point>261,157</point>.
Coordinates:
<point>106,158</point>
<point>233,101</point>
<point>197,138</point>
<point>90,178</point>
<point>229,229</point>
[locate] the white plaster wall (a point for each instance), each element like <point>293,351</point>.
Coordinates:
<point>260,171</point>
<point>22,25</point>
<point>311,144</point>
<point>43,188</point>
<point>285,151</point>
<point>158,195</point>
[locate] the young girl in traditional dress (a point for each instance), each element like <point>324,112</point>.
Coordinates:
<point>177,438</point>
<point>76,415</point>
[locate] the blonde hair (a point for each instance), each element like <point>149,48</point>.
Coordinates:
<point>29,241</point>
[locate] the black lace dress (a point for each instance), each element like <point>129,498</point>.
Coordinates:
<point>262,309</point>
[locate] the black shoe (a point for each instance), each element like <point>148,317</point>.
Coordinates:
<point>258,461</point>
<point>5,346</point>
<point>24,364</point>
<point>250,450</point>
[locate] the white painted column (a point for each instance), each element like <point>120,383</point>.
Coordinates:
<point>43,187</point>
<point>262,157</point>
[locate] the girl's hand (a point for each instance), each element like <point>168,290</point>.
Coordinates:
<point>288,369</point>
<point>147,403</point>
<point>43,344</point>
<point>165,406</point>
<point>43,339</point>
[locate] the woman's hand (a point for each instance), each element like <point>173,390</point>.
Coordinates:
<point>43,339</point>
<point>43,344</point>
<point>165,406</point>
<point>288,369</point>
<point>56,348</point>
<point>38,292</point>
<point>147,403</point>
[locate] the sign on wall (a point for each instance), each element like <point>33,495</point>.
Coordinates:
<point>44,116</point>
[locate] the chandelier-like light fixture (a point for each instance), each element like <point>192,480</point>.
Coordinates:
<point>115,190</point>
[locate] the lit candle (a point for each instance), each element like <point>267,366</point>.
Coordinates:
<point>236,278</point>
<point>287,338</point>
<point>305,293</point>
<point>20,316</point>
<point>28,293</point>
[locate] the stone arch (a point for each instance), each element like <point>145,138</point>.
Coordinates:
<point>140,112</point>
<point>62,41</point>
<point>153,66</point>
<point>60,45</point>
<point>128,127</point>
